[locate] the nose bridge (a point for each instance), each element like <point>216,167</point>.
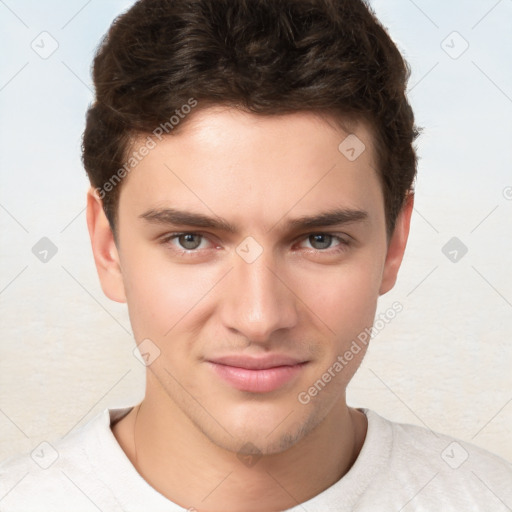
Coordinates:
<point>257,301</point>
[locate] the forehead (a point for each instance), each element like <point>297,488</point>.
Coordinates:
<point>224,161</point>
<point>223,127</point>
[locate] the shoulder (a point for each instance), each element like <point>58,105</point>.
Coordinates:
<point>438,450</point>
<point>439,470</point>
<point>42,478</point>
<point>56,473</point>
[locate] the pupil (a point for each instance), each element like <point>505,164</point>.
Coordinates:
<point>322,241</point>
<point>187,241</point>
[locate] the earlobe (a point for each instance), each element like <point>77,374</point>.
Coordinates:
<point>396,246</point>
<point>106,256</point>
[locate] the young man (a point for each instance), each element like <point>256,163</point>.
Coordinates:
<point>252,165</point>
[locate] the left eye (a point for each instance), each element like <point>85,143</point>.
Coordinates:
<point>187,241</point>
<point>190,241</point>
<point>321,241</point>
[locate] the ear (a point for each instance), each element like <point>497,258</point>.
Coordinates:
<point>104,249</point>
<point>396,246</point>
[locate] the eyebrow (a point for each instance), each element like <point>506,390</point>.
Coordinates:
<point>172,216</point>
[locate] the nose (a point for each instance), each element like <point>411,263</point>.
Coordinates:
<point>257,302</point>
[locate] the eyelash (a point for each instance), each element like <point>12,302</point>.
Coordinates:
<point>341,247</point>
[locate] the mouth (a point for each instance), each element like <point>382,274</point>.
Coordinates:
<point>257,375</point>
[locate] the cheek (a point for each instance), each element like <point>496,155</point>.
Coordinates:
<point>161,296</point>
<point>344,297</point>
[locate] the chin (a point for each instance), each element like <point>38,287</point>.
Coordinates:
<point>272,435</point>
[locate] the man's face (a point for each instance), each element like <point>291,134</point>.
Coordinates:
<point>246,320</point>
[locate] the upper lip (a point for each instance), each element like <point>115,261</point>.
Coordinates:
<point>257,363</point>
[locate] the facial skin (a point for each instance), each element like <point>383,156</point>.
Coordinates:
<point>304,296</point>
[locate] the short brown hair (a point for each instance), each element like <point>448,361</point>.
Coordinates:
<point>263,56</point>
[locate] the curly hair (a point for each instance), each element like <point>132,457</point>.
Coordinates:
<point>267,57</point>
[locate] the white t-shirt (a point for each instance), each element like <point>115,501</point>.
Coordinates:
<point>400,468</point>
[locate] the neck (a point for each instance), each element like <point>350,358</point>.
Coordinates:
<point>181,463</point>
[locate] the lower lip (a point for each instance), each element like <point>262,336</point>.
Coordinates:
<point>257,381</point>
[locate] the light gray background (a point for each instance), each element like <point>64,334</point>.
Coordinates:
<point>444,362</point>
